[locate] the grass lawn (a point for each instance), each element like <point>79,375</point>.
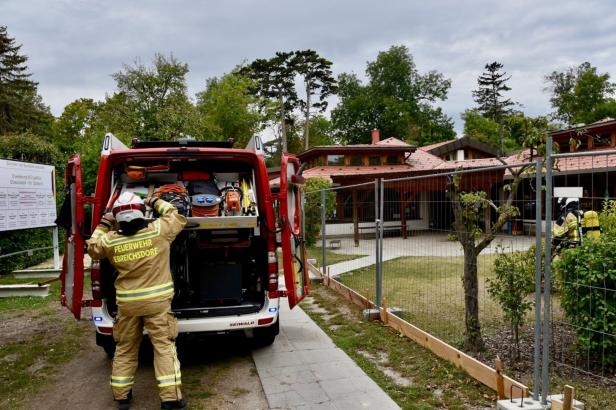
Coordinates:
<point>41,336</point>
<point>430,293</point>
<point>315,252</point>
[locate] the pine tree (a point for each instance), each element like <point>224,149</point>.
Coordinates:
<point>489,95</point>
<point>318,79</point>
<point>20,106</point>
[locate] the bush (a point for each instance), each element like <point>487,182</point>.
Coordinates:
<point>313,207</point>
<point>587,275</point>
<point>514,279</point>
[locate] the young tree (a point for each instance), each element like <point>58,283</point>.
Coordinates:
<point>489,96</point>
<point>21,108</point>
<point>397,99</point>
<point>581,94</point>
<point>514,278</point>
<point>467,208</point>
<point>228,110</point>
<point>317,75</point>
<point>153,101</point>
<point>274,85</point>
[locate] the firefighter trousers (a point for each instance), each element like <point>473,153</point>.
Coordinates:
<point>162,330</point>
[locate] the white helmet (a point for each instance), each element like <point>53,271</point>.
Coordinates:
<point>128,207</point>
<point>571,201</point>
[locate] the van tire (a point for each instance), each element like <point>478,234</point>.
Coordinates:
<point>265,336</point>
<point>107,343</point>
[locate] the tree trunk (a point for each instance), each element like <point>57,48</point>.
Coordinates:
<point>472,338</point>
<point>516,335</point>
<point>283,125</point>
<point>307,121</point>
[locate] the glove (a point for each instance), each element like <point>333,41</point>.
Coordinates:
<point>108,220</point>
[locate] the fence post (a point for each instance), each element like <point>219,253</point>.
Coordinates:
<point>56,248</point>
<point>377,233</point>
<point>323,240</point>
<point>538,230</point>
<point>545,365</point>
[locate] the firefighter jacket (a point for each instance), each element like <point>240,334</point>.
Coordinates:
<point>569,229</point>
<point>144,284</point>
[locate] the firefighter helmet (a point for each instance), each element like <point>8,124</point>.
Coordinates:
<point>128,207</point>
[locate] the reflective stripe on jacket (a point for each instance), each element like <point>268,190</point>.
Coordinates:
<point>142,260</point>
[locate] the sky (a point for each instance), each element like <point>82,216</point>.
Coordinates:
<point>75,45</point>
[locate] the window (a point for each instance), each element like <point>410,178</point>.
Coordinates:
<point>335,160</point>
<point>602,140</point>
<point>355,160</point>
<point>392,160</point>
<point>374,160</point>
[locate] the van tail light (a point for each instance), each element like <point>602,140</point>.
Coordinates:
<point>265,321</point>
<point>95,276</point>
<point>272,271</point>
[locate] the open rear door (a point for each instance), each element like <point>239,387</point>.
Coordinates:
<point>74,246</point>
<point>292,235</point>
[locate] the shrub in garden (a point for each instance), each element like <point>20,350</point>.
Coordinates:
<point>313,207</point>
<point>514,279</point>
<point>587,275</point>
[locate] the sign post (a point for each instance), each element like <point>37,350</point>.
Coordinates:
<point>28,199</point>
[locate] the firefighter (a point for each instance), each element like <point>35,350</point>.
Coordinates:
<point>567,229</point>
<point>144,288</point>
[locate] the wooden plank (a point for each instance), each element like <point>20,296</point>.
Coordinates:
<point>556,405</point>
<point>476,369</point>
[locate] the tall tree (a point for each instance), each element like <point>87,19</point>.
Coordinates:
<point>21,108</point>
<point>74,125</point>
<point>153,101</point>
<point>318,79</point>
<point>489,96</point>
<point>397,99</point>
<point>274,85</point>
<point>581,94</point>
<point>228,110</point>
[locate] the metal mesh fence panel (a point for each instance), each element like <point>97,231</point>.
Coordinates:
<point>439,276</point>
<point>349,240</point>
<point>583,300</point>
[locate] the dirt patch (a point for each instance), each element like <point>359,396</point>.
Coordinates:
<point>216,374</point>
<point>21,325</point>
<point>379,360</point>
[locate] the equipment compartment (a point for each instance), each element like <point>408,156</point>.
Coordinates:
<point>218,262</point>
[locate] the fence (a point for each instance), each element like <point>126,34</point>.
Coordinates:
<point>582,319</point>
<point>439,250</point>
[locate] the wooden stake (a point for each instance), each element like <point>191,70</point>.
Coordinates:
<point>500,382</point>
<point>568,398</point>
<point>384,312</point>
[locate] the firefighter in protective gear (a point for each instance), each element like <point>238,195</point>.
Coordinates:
<point>144,288</point>
<point>567,229</point>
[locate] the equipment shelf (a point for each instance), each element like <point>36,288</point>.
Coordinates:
<point>221,222</point>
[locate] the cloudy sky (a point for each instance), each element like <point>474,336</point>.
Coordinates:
<point>74,45</point>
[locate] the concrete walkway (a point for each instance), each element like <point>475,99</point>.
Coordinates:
<point>303,369</point>
<point>435,245</point>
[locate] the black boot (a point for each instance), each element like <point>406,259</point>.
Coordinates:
<point>173,405</point>
<point>124,404</point>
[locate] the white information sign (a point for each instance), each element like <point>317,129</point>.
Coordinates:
<point>27,195</point>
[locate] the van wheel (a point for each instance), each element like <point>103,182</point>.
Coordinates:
<point>265,336</point>
<point>107,343</point>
